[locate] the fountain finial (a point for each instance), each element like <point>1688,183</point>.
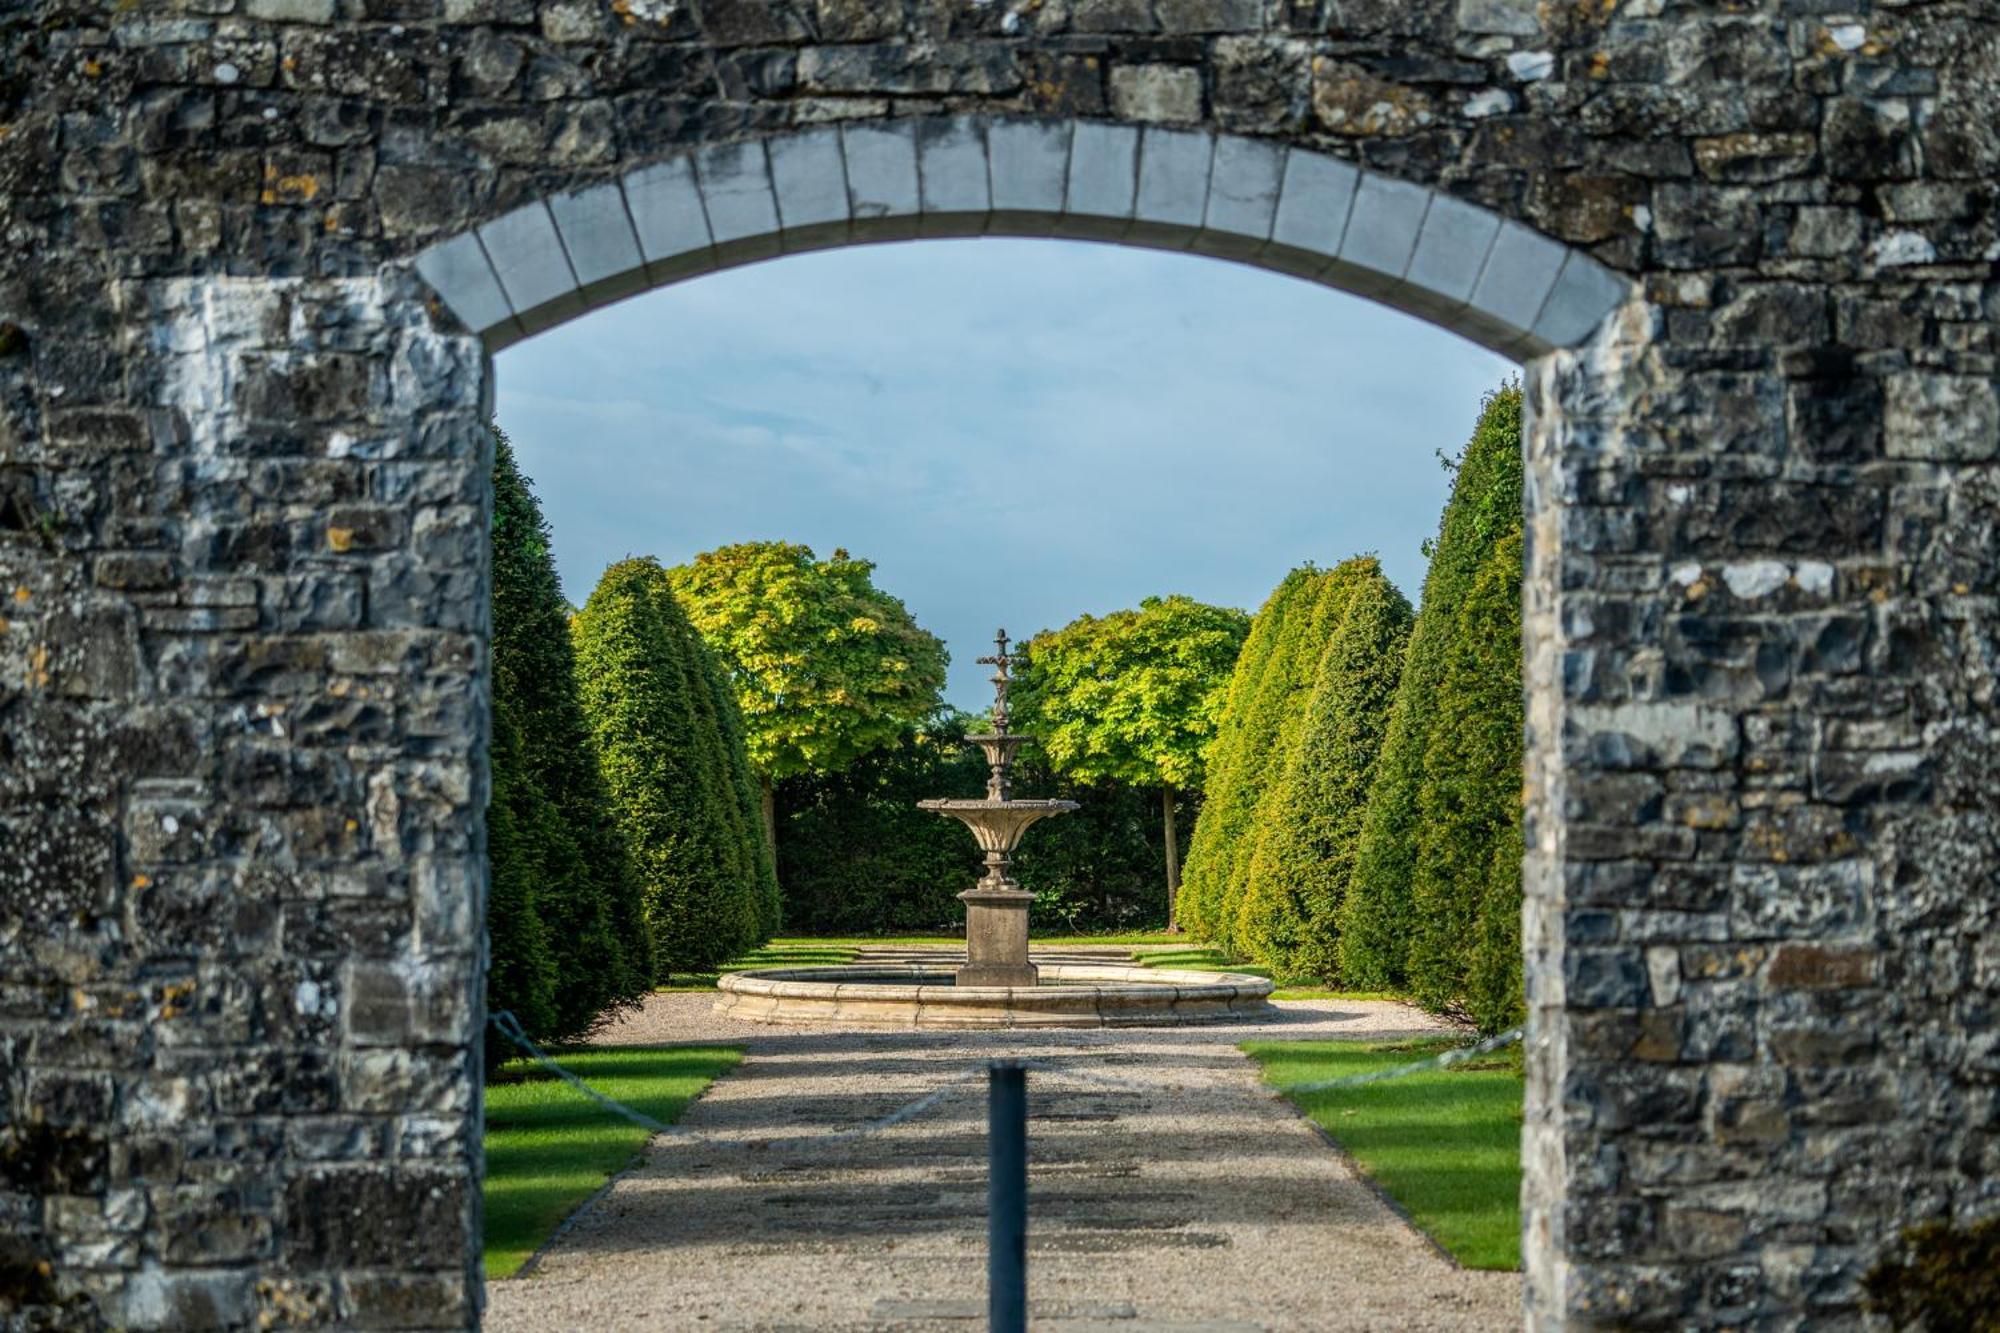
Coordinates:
<point>1000,661</point>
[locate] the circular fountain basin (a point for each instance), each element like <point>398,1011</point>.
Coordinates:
<point>1071,995</point>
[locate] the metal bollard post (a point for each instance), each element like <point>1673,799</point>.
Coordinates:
<point>1007,1198</point>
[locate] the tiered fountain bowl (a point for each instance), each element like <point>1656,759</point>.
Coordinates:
<point>997,987</point>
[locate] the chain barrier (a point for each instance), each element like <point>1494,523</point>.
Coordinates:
<point>1442,1060</point>
<point>510,1028</point>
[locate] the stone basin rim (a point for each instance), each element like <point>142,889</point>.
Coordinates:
<point>880,994</point>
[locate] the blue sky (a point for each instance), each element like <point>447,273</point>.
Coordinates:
<point>1015,431</point>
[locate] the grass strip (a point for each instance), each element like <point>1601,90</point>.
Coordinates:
<point>1445,1145</point>
<point>1208,959</point>
<point>549,1147</point>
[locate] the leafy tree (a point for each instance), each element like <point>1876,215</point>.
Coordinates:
<point>825,665</point>
<point>1377,922</point>
<point>652,707</point>
<point>521,974</point>
<point>1133,698</point>
<point>1242,737</point>
<point>1309,823</point>
<point>584,891</point>
<point>1465,892</point>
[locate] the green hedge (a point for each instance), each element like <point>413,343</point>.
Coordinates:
<point>1310,820</point>
<point>856,856</point>
<point>558,862</point>
<point>521,970</point>
<point>650,692</point>
<point>1246,739</point>
<point>1377,923</point>
<point>1465,889</point>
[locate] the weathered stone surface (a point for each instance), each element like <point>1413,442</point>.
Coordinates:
<point>1168,94</point>
<point>242,590</point>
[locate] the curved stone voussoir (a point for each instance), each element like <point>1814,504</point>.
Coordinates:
<point>1249,200</point>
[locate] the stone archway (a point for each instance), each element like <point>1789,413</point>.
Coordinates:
<point>1260,202</point>
<point>242,534</point>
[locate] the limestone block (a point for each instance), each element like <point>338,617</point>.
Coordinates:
<point>1585,293</point>
<point>459,272</point>
<point>736,193</point>
<point>1161,94</point>
<point>603,248</point>
<point>882,178</point>
<point>1520,271</point>
<point>957,196</point>
<point>1173,186</point>
<point>528,256</point>
<point>1103,180</point>
<point>1242,198</point>
<point>1381,235</point>
<point>809,175</point>
<point>1029,170</point>
<point>666,206</point>
<point>1313,207</point>
<point>1451,250</point>
<point>1940,417</point>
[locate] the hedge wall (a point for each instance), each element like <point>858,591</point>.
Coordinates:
<point>650,693</point>
<point>1377,923</point>
<point>857,857</point>
<point>559,855</point>
<point>1310,820</point>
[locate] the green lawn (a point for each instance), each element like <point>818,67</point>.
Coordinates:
<point>549,1147</point>
<point>778,953</point>
<point>866,941</point>
<point>1204,957</point>
<point>1446,1144</point>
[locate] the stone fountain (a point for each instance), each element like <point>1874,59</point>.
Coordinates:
<point>996,908</point>
<point>997,987</point>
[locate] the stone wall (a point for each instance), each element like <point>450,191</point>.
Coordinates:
<point>242,499</point>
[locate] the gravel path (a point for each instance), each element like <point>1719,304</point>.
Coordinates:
<point>1200,1204</point>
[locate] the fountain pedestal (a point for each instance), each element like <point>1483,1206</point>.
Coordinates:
<point>996,938</point>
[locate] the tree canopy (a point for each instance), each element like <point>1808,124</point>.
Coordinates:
<point>1133,696</point>
<point>825,665</point>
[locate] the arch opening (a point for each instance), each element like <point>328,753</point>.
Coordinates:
<point>1263,203</point>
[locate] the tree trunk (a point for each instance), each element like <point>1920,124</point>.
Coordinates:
<point>770,803</point>
<point>1173,861</point>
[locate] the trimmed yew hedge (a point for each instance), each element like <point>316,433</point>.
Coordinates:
<point>569,941</point>
<point>1310,819</point>
<point>653,697</point>
<point>1379,924</point>
<point>1363,821</point>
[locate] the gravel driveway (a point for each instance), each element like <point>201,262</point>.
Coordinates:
<point>1199,1203</point>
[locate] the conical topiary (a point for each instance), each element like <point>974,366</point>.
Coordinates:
<point>1465,892</point>
<point>1241,742</point>
<point>1304,853</point>
<point>650,710</point>
<point>584,890</point>
<point>1376,922</point>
